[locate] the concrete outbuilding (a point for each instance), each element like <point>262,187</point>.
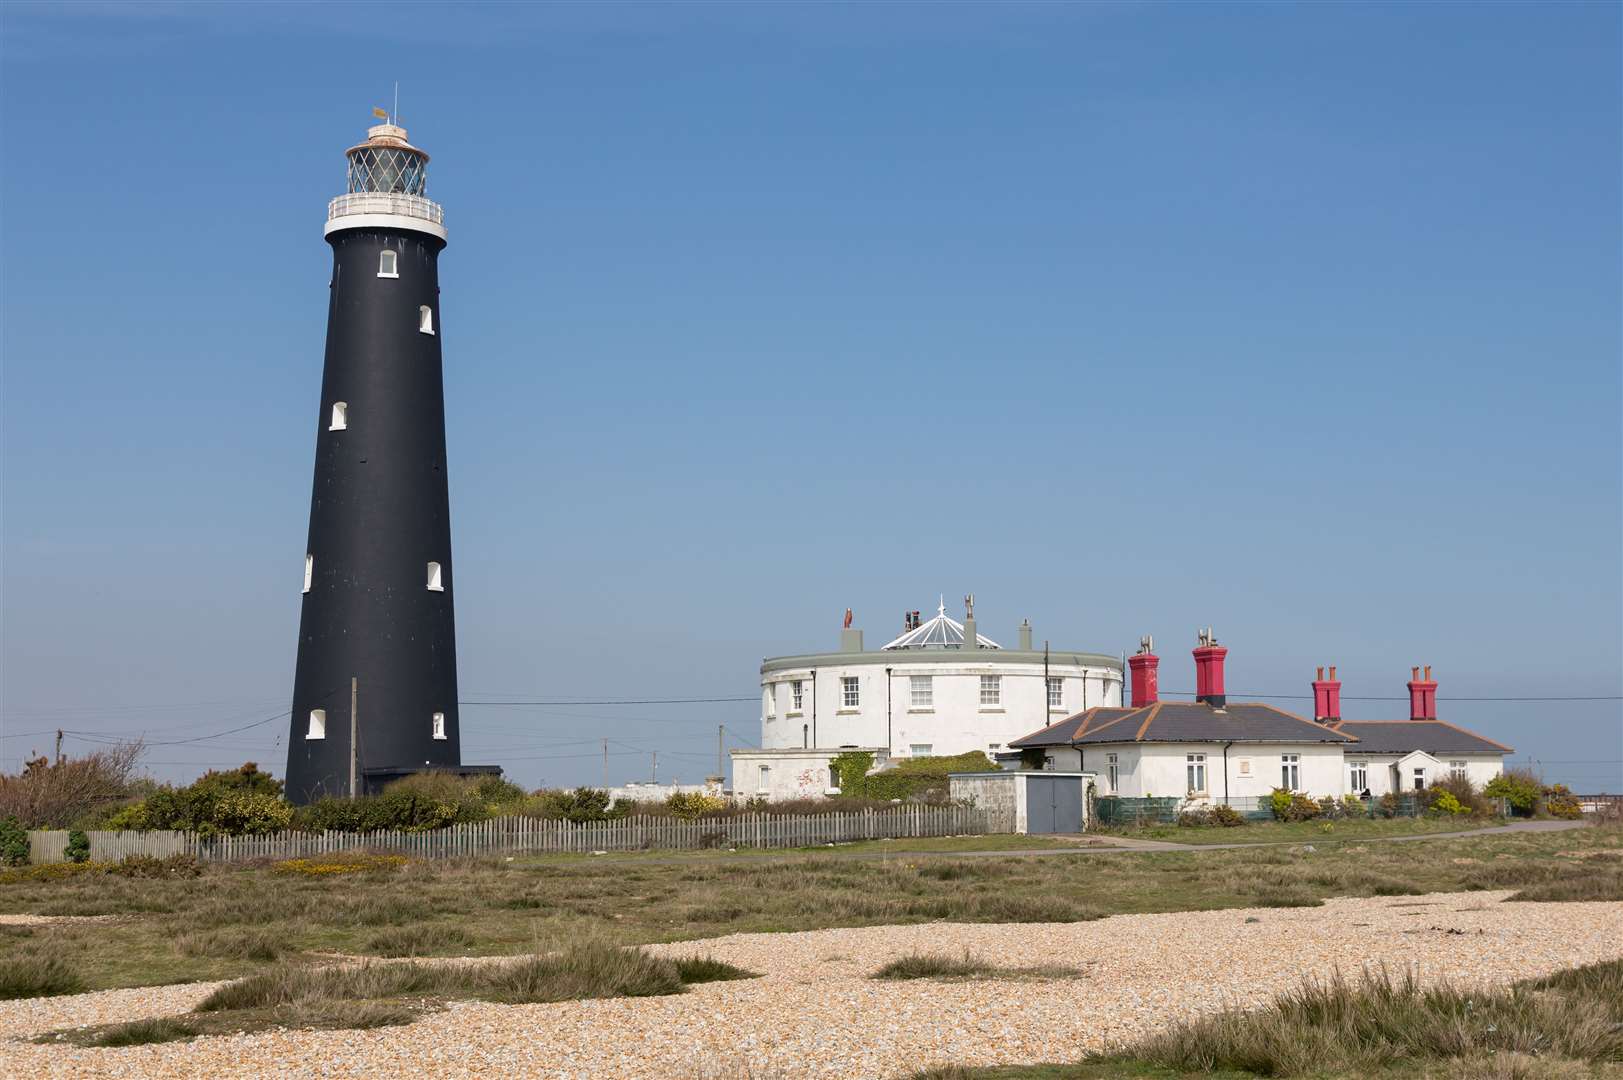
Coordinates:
<point>1027,802</point>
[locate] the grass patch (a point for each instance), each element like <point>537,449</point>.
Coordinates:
<point>509,908</point>
<point>938,966</point>
<point>1563,1025</point>
<point>28,973</point>
<point>425,939</point>
<point>704,969</point>
<point>256,943</point>
<point>1591,882</point>
<point>141,1032</point>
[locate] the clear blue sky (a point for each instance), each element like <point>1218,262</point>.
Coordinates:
<point>1301,321</point>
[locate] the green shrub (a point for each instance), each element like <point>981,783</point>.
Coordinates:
<point>151,866</point>
<point>1389,804</point>
<point>1519,787</point>
<point>1445,802</point>
<point>1562,803</point>
<point>1279,801</point>
<point>853,767</point>
<point>13,842</point>
<point>78,849</point>
<point>921,779</point>
<point>1217,814</point>
<point>1471,799</point>
<point>581,804</point>
<point>131,817</point>
<point>691,804</point>
<point>1352,806</point>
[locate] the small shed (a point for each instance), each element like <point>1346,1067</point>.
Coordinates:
<point>1027,801</point>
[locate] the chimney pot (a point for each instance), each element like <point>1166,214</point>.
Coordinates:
<point>1209,658</point>
<point>1422,696</point>
<point>1327,698</point>
<point>1144,665</point>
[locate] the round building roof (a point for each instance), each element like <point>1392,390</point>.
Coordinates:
<point>941,632</point>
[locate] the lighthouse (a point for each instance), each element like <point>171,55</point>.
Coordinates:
<point>375,691</point>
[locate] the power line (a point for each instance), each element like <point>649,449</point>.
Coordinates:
<point>625,701</point>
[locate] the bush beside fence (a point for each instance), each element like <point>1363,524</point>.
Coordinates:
<point>513,835</point>
<point>1113,810</point>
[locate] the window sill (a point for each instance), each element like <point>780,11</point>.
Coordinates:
<point>921,712</point>
<point>439,738</point>
<point>396,276</point>
<point>430,333</point>
<point>991,709</point>
<point>793,715</point>
<point>847,712</point>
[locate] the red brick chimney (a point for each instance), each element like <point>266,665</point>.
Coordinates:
<point>1422,695</point>
<point>1209,670</point>
<point>1146,688</point>
<point>1327,698</point>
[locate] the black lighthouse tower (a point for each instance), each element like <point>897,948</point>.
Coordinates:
<point>377,637</point>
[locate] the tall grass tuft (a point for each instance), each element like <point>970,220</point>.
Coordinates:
<point>1381,1022</point>
<point>37,974</point>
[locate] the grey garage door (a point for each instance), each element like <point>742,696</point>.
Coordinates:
<point>1053,804</point>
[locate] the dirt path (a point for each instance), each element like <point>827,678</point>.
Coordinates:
<point>814,1013</point>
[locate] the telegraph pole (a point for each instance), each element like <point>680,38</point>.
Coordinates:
<point>59,746</point>
<point>720,753</point>
<point>354,733</point>
<point>1045,686</point>
<point>605,764</point>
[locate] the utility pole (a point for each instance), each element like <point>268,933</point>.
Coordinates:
<point>354,732</point>
<point>1045,686</point>
<point>720,753</point>
<point>605,764</point>
<point>59,746</point>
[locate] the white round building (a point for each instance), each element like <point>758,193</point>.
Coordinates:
<point>939,689</point>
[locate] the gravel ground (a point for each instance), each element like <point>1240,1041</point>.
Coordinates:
<point>816,1014</point>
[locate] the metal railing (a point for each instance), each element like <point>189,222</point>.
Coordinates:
<point>374,202</point>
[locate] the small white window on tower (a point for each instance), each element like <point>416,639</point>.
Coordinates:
<point>340,416</point>
<point>388,263</point>
<point>439,725</point>
<point>425,320</point>
<point>318,724</point>
<point>435,582</point>
<point>309,570</point>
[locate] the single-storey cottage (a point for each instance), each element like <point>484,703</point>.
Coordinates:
<point>1214,750</point>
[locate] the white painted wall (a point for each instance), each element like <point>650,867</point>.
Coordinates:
<point>1479,769</point>
<point>1160,770</point>
<point>790,774</point>
<point>955,722</point>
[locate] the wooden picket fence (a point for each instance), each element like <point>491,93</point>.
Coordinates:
<point>512,835</point>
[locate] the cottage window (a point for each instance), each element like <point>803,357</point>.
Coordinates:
<point>765,781</point>
<point>439,725</point>
<point>1048,763</point>
<point>1245,766</point>
<point>921,689</point>
<point>318,724</point>
<point>1420,778</point>
<point>795,688</point>
<point>340,416</point>
<point>833,778</point>
<point>850,693</point>
<point>1195,767</point>
<point>1456,769</point>
<point>425,320</point>
<point>1290,772</point>
<point>1112,772</point>
<point>1056,693</point>
<point>919,749</point>
<point>388,264</point>
<point>436,582</point>
<point>1358,776</point>
<point>991,690</point>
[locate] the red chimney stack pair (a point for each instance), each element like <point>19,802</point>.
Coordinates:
<point>1422,695</point>
<point>1327,698</point>
<point>1209,656</point>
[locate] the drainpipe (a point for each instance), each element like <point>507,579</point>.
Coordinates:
<point>814,706</point>
<point>889,746</point>
<point>1226,771</point>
